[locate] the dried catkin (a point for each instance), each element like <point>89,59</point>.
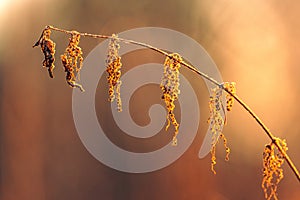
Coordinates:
<point>170,88</point>
<point>272,170</point>
<point>72,60</point>
<point>48,49</point>
<point>216,122</point>
<point>113,68</point>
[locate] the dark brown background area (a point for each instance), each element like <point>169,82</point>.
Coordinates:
<point>255,44</point>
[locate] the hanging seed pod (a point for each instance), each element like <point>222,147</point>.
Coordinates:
<point>170,88</point>
<point>72,60</point>
<point>48,49</point>
<point>272,170</point>
<point>216,124</point>
<point>113,68</point>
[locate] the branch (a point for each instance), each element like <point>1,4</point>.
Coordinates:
<point>192,68</point>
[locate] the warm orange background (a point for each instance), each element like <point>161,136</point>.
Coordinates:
<point>254,43</point>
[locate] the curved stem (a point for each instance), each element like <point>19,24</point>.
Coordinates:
<point>190,67</point>
<point>268,132</point>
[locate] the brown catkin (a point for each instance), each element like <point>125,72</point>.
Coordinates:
<point>170,88</point>
<point>113,69</point>
<point>216,124</point>
<point>48,49</point>
<point>72,60</point>
<point>272,170</point>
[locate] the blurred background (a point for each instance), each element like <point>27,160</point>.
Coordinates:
<point>254,43</point>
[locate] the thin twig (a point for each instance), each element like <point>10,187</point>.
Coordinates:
<point>192,68</point>
<point>268,132</point>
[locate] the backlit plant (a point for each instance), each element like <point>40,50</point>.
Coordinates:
<point>72,60</point>
<point>170,88</point>
<point>113,68</point>
<point>217,122</point>
<point>274,153</point>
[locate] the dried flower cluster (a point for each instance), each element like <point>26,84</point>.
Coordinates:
<point>216,124</point>
<point>72,60</point>
<point>113,68</point>
<point>48,49</point>
<point>272,171</point>
<point>170,88</point>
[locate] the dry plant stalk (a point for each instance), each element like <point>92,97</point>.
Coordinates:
<point>113,68</point>
<point>272,170</point>
<point>216,124</point>
<point>48,49</point>
<point>72,60</point>
<point>170,88</point>
<point>274,153</point>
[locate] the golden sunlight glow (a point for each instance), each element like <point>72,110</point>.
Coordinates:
<point>252,44</point>
<point>259,57</point>
<point>4,4</point>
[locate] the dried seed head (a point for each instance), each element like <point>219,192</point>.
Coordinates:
<point>113,68</point>
<point>215,119</point>
<point>72,60</point>
<point>48,49</point>
<point>272,170</point>
<point>216,124</point>
<point>230,86</point>
<point>170,88</point>
<point>70,75</point>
